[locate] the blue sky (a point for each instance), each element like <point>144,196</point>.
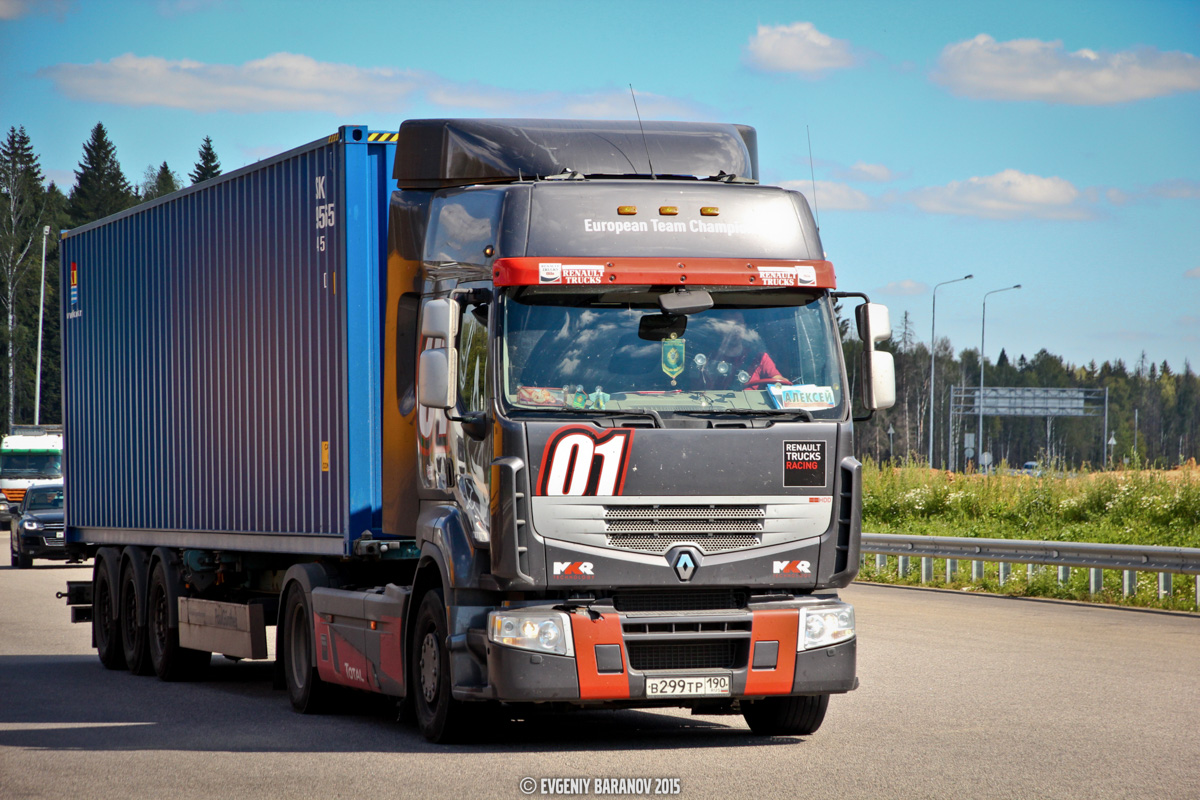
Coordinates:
<point>1051,144</point>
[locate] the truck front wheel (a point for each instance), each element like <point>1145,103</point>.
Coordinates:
<point>797,715</point>
<point>440,717</point>
<point>308,693</point>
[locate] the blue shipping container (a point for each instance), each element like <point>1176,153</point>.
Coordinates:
<point>222,357</point>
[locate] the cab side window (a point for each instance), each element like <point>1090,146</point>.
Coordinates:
<point>473,359</point>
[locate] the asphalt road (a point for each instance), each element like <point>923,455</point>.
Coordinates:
<point>962,696</point>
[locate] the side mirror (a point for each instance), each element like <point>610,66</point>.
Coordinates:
<point>874,323</point>
<point>879,367</point>
<point>437,368</point>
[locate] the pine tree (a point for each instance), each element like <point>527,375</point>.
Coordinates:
<point>159,182</point>
<point>21,231</point>
<point>209,166</point>
<point>100,186</point>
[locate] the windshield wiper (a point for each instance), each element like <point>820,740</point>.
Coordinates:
<point>802,413</point>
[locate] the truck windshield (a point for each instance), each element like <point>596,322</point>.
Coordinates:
<point>30,465</point>
<point>758,351</point>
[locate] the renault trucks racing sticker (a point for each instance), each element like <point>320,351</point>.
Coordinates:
<point>803,463</point>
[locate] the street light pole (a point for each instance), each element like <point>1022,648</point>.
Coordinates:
<point>982,334</point>
<point>37,393</point>
<point>933,357</point>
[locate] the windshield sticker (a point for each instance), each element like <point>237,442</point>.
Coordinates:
<point>807,396</point>
<point>803,463</point>
<point>581,462</point>
<point>787,276</point>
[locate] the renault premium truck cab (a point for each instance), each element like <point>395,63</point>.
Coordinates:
<point>565,420</point>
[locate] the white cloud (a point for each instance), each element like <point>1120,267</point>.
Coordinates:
<point>292,82</point>
<point>1194,272</point>
<point>798,47</point>
<point>15,9</point>
<point>832,196</point>
<point>1006,195</point>
<point>861,171</point>
<point>1030,69</point>
<point>904,288</point>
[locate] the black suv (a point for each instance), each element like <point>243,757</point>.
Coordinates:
<point>37,527</point>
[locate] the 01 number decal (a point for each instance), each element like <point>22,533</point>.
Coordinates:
<point>580,462</point>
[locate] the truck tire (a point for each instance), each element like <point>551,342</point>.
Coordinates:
<point>440,717</point>
<point>133,636</point>
<point>169,661</point>
<point>797,715</point>
<point>106,633</point>
<point>308,693</point>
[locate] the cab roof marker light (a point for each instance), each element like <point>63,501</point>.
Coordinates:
<point>710,211</point>
<point>668,211</point>
<point>627,211</point>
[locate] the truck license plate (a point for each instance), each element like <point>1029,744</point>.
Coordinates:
<point>691,686</point>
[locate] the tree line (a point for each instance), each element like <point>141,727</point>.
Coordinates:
<point>1153,409</point>
<point>32,213</point>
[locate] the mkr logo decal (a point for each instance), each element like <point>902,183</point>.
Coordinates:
<point>574,569</point>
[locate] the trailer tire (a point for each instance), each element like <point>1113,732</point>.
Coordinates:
<point>106,632</point>
<point>134,644</point>
<point>797,715</point>
<point>308,693</point>
<point>168,660</point>
<point>440,717</point>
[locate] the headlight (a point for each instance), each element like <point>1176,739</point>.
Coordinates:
<point>3,506</point>
<point>541,631</point>
<point>32,525</point>
<point>826,625</point>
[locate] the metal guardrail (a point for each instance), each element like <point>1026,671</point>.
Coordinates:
<point>1131,559</point>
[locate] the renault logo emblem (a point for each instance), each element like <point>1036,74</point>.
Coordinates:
<point>685,565</point>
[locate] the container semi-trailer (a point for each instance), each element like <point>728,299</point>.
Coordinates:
<point>477,412</point>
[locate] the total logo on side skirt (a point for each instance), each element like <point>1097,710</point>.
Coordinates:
<point>792,568</point>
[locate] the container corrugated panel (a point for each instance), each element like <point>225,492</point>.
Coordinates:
<point>221,353</point>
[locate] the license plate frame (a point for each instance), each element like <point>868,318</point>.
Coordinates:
<point>717,684</point>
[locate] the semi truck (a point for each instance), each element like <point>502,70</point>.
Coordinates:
<point>480,416</point>
<point>30,455</point>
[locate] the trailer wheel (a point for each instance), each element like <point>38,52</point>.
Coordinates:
<point>133,635</point>
<point>440,717</point>
<point>106,633</point>
<point>797,715</point>
<point>308,693</point>
<point>169,661</point>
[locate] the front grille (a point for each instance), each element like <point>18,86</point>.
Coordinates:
<point>661,544</point>
<point>721,654</point>
<point>53,526</point>
<point>655,529</point>
<point>681,600</point>
<point>684,512</point>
